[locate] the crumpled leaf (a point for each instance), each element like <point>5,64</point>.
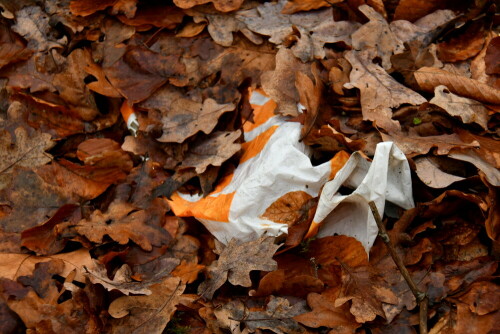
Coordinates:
<point>235,263</point>
<point>147,314</point>
<point>315,28</point>
<point>429,78</point>
<point>122,280</point>
<point>213,151</point>
<point>379,91</point>
<point>287,208</point>
<point>277,317</point>
<point>468,110</point>
<point>123,222</point>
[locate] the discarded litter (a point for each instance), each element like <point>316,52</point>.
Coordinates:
<point>274,162</point>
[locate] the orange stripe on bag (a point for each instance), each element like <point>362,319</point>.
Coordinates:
<point>337,162</point>
<point>210,208</point>
<point>252,148</point>
<point>260,115</point>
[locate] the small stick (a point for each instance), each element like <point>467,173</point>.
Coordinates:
<point>420,296</point>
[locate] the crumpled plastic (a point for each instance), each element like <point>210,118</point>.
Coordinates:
<point>386,178</point>
<point>274,162</point>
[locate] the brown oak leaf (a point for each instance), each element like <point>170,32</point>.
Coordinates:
<point>235,263</point>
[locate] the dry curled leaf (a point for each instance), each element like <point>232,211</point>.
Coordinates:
<point>429,78</point>
<point>235,263</point>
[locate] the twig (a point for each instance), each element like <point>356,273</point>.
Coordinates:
<point>420,296</point>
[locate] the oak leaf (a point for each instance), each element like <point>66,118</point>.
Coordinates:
<point>278,316</point>
<point>315,29</point>
<point>235,263</point>
<point>368,290</point>
<point>379,91</point>
<point>213,151</point>
<point>123,222</point>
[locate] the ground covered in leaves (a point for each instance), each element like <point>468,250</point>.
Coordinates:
<point>87,239</point>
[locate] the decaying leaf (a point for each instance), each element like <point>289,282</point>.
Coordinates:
<point>379,91</point>
<point>147,314</point>
<point>235,263</point>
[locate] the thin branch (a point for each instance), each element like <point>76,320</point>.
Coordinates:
<point>420,296</point>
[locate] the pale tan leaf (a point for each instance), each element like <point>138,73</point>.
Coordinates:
<point>429,78</point>
<point>379,91</point>
<point>468,110</point>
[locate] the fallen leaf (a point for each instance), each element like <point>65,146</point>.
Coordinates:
<point>121,281</point>
<point>22,148</point>
<point>13,49</point>
<point>123,222</point>
<point>185,117</point>
<point>464,46</point>
<point>429,78</point>
<point>235,263</point>
<point>491,57</point>
<point>160,16</point>
<point>468,110</point>
<point>367,290</point>
<point>315,28</point>
<point>376,35</point>
<point>278,316</point>
<point>33,24</point>
<point>104,153</point>
<point>151,314</point>
<point>213,151</point>
<point>482,297</point>
<point>379,91</point>
<point>427,169</point>
<point>325,313</point>
<point>294,6</point>
<point>310,97</point>
<point>287,208</point>
<point>187,271</point>
<point>471,323</point>
<point>88,7</point>
<point>279,84</point>
<point>221,5</point>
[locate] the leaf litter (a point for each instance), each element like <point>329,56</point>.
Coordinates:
<point>88,240</point>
